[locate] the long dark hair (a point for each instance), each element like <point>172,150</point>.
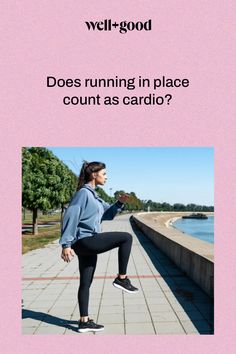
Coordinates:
<point>86,172</point>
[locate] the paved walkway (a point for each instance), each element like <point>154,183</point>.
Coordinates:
<point>168,302</point>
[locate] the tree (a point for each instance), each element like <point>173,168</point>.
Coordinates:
<point>66,185</point>
<point>133,203</point>
<point>46,182</point>
<point>166,207</point>
<point>191,207</point>
<point>117,193</point>
<point>102,194</point>
<point>179,207</point>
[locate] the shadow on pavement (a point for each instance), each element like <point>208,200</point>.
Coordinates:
<point>52,320</point>
<point>198,306</point>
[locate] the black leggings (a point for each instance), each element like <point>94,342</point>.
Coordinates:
<point>87,249</point>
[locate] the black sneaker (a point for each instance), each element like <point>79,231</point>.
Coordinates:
<point>124,284</point>
<point>89,326</point>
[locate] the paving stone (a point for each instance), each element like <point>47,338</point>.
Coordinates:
<point>112,328</point>
<point>135,308</point>
<point>111,301</point>
<point>139,328</point>
<point>169,316</point>
<point>111,309</point>
<point>50,330</point>
<point>61,312</point>
<point>200,326</point>
<point>135,301</point>
<point>46,304</point>
<point>189,327</point>
<point>189,315</point>
<point>50,306</point>
<point>169,328</point>
<point>160,308</point>
<point>30,322</point>
<point>143,317</point>
<point>28,330</point>
<point>157,301</point>
<point>111,318</point>
<point>185,307</point>
<point>38,306</point>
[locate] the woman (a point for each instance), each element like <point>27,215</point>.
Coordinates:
<point>81,233</point>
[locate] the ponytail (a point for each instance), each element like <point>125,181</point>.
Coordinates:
<point>86,172</point>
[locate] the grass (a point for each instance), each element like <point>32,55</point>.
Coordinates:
<point>46,235</point>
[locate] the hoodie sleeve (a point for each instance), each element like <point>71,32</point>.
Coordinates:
<point>72,218</point>
<point>110,211</point>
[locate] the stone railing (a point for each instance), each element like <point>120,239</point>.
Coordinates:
<point>193,256</point>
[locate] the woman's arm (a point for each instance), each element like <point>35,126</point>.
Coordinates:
<point>110,211</point>
<point>72,217</point>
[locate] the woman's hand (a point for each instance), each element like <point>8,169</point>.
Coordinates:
<point>67,254</point>
<point>123,198</point>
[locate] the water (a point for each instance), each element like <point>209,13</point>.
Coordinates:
<point>202,229</point>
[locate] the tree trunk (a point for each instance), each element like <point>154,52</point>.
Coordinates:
<point>62,212</point>
<point>24,214</point>
<point>35,221</point>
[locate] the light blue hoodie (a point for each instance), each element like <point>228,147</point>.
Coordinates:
<point>84,215</point>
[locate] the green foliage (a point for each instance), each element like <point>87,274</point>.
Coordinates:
<point>153,206</point>
<point>116,194</point>
<point>179,206</point>
<point>102,194</point>
<point>47,183</point>
<point>135,204</point>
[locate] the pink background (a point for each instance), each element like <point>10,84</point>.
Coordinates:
<point>190,39</point>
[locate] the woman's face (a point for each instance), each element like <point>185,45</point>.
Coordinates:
<point>101,177</point>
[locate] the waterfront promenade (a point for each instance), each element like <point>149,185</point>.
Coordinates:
<point>168,302</point>
<point>163,223</point>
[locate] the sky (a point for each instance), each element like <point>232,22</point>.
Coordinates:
<point>173,175</point>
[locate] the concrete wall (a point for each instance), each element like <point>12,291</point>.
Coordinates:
<point>191,255</point>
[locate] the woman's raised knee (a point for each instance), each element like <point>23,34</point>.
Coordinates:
<point>128,236</point>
